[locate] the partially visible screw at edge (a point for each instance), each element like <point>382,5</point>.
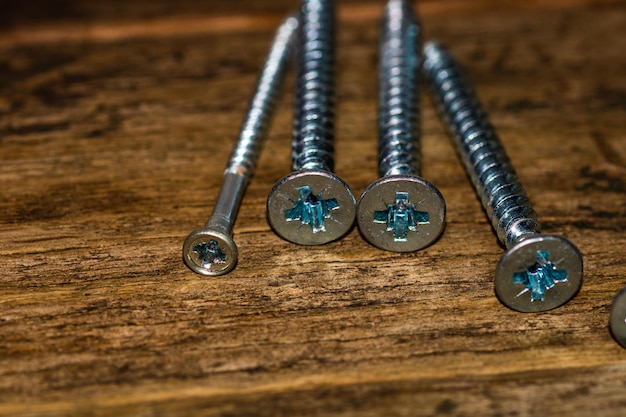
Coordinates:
<point>548,267</point>
<point>211,250</point>
<point>400,211</point>
<point>617,322</point>
<point>313,206</point>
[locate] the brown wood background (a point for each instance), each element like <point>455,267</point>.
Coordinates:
<point>116,120</point>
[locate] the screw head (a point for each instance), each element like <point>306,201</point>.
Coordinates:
<point>539,273</point>
<point>311,207</point>
<point>617,322</point>
<point>209,252</point>
<point>418,202</point>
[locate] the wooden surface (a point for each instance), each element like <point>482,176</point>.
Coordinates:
<point>116,120</point>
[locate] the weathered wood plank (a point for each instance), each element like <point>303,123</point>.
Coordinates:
<point>112,149</point>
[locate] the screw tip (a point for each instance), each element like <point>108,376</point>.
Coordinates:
<point>209,252</point>
<point>539,273</point>
<point>311,207</point>
<point>432,48</point>
<point>401,213</point>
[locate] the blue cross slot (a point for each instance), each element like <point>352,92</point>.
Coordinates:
<point>540,277</point>
<point>210,253</point>
<point>401,217</point>
<point>311,209</point>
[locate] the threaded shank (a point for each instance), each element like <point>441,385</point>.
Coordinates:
<point>313,133</point>
<point>486,162</point>
<point>244,157</point>
<point>398,103</point>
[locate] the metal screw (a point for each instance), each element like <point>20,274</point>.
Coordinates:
<point>211,250</point>
<point>537,272</point>
<point>400,211</point>
<point>313,206</point>
<point>617,322</point>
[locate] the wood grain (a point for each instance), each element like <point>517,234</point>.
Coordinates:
<point>114,132</point>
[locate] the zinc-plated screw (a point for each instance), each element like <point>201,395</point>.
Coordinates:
<point>547,267</point>
<point>211,250</point>
<point>313,206</point>
<point>400,211</point>
<point>617,322</point>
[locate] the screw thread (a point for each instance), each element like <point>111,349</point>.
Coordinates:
<point>245,155</point>
<point>398,112</point>
<point>313,132</point>
<point>486,162</point>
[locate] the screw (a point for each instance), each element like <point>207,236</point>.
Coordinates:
<point>617,322</point>
<point>211,250</point>
<point>400,211</point>
<point>313,206</point>
<point>547,267</point>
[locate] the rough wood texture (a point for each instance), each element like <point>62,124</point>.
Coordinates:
<point>116,119</point>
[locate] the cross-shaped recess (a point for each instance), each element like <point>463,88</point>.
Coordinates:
<point>540,276</point>
<point>311,209</point>
<point>401,217</point>
<point>210,253</point>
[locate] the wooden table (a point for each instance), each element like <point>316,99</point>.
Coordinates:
<point>116,121</point>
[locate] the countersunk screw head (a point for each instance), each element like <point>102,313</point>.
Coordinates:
<point>209,252</point>
<point>293,202</point>
<point>385,195</point>
<point>617,322</point>
<point>539,273</point>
